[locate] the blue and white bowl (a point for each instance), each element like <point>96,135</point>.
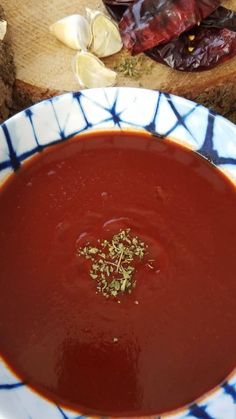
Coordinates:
<point>62,117</point>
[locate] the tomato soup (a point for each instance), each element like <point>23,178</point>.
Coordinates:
<point>156,219</point>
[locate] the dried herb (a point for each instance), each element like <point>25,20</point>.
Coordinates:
<point>112,262</point>
<point>134,67</point>
<point>148,23</point>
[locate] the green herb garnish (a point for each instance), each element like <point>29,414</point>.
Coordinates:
<point>134,67</point>
<point>112,262</point>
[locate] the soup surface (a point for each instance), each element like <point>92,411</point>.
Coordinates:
<point>150,350</point>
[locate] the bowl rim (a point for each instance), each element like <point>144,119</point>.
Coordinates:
<point>180,100</point>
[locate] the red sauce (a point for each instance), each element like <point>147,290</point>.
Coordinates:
<point>86,351</point>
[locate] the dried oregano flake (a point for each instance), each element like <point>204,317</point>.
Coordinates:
<point>112,262</point>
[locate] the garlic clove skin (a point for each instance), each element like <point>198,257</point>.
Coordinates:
<point>91,14</point>
<point>74,31</point>
<point>3,29</point>
<point>91,72</point>
<point>106,36</point>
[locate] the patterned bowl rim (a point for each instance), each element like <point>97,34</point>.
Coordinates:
<point>187,410</point>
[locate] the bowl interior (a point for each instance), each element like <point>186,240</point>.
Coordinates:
<point>58,119</point>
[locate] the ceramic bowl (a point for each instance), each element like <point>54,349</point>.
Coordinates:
<point>60,118</point>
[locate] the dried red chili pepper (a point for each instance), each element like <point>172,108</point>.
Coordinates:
<point>210,47</point>
<point>117,8</point>
<point>148,23</point>
<point>197,50</point>
<point>221,18</point>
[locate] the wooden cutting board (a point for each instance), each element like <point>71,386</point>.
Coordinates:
<point>44,64</point>
<point>7,73</point>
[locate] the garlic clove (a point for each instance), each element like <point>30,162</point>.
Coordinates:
<point>91,14</point>
<point>91,72</point>
<point>106,36</point>
<point>3,29</point>
<point>74,31</point>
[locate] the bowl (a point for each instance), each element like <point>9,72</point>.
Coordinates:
<point>60,118</point>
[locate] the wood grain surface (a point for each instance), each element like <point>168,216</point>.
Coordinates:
<point>44,64</point>
<point>7,73</point>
